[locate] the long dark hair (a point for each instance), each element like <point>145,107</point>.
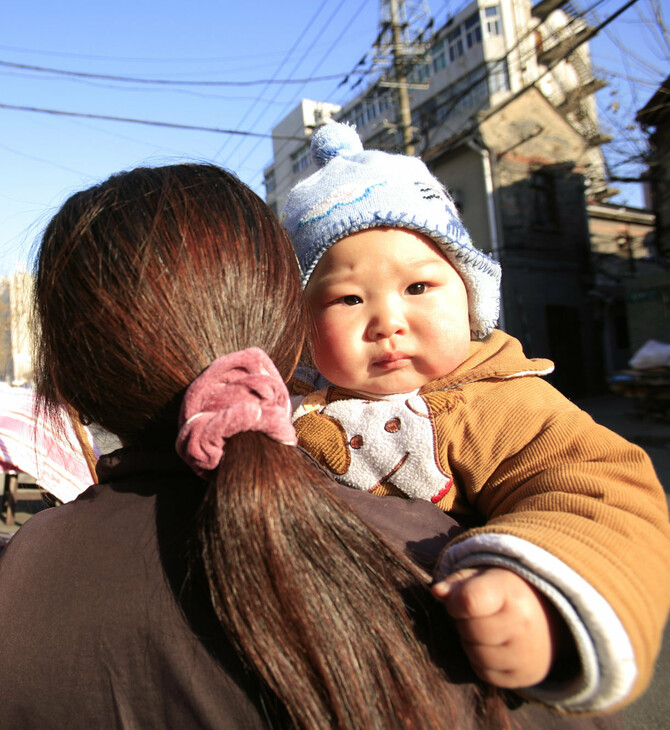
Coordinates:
<point>141,282</point>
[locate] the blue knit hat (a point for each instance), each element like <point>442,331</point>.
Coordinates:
<point>354,190</point>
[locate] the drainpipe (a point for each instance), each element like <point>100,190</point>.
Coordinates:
<point>484,153</point>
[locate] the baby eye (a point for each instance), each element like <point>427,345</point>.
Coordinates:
<point>350,300</point>
<point>419,288</point>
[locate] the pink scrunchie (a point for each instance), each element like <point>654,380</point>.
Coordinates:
<point>239,392</point>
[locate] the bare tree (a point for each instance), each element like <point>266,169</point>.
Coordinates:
<point>634,62</point>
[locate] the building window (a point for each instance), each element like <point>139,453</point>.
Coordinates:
<point>470,91</point>
<point>462,97</point>
<point>439,55</point>
<point>493,20</point>
<point>473,30</point>
<point>348,118</point>
<point>368,110</point>
<point>543,194</point>
<point>270,182</point>
<point>300,159</point>
<point>383,101</point>
<point>455,39</point>
<point>422,72</point>
<point>372,108</point>
<point>357,115</point>
<point>443,109</point>
<point>498,76</point>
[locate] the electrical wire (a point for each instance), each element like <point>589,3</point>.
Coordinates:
<point>165,82</point>
<point>327,53</point>
<point>524,56</point>
<point>479,114</point>
<point>516,46</point>
<point>556,33</point>
<point>171,125</point>
<point>299,37</point>
<point>125,59</point>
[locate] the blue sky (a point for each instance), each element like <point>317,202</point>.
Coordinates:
<point>45,157</point>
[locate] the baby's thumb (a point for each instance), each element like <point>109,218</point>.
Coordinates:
<point>444,587</point>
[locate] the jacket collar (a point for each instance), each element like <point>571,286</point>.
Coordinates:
<point>499,356</point>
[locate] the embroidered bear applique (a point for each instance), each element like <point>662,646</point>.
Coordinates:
<point>367,443</point>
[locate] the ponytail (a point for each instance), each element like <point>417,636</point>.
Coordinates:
<point>312,598</point>
<point>304,590</point>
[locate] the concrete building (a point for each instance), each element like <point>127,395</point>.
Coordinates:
<point>521,167</point>
<point>625,261</point>
<point>15,344</point>
<point>655,118</point>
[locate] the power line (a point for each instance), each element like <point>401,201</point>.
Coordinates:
<point>170,125</point>
<point>374,87</point>
<point>318,64</point>
<point>555,33</point>
<point>326,54</point>
<point>295,45</point>
<point>203,94</point>
<point>165,82</point>
<point>265,55</point>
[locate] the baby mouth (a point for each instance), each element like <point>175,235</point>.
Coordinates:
<point>392,360</point>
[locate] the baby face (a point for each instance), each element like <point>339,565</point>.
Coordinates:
<point>390,312</point>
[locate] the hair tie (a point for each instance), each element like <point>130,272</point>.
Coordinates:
<point>242,391</point>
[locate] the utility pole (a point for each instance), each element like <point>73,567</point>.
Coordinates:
<point>400,69</point>
<point>400,46</point>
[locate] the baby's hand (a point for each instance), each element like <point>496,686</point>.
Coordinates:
<point>508,629</point>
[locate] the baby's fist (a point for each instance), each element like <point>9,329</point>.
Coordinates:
<point>508,629</point>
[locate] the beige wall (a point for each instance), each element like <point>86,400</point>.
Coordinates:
<point>462,173</point>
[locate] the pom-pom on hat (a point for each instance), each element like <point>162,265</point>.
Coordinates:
<point>355,189</point>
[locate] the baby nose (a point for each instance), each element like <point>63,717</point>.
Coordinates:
<point>388,321</point>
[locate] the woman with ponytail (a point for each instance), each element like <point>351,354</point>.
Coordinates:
<point>214,577</point>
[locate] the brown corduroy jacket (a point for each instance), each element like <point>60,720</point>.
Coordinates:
<point>563,501</point>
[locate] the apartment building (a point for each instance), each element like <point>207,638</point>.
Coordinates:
<point>483,56</point>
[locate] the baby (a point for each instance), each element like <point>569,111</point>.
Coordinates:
<point>417,394</point>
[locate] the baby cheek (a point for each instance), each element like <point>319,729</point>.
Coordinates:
<point>440,329</point>
<point>450,337</point>
<point>330,339</point>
